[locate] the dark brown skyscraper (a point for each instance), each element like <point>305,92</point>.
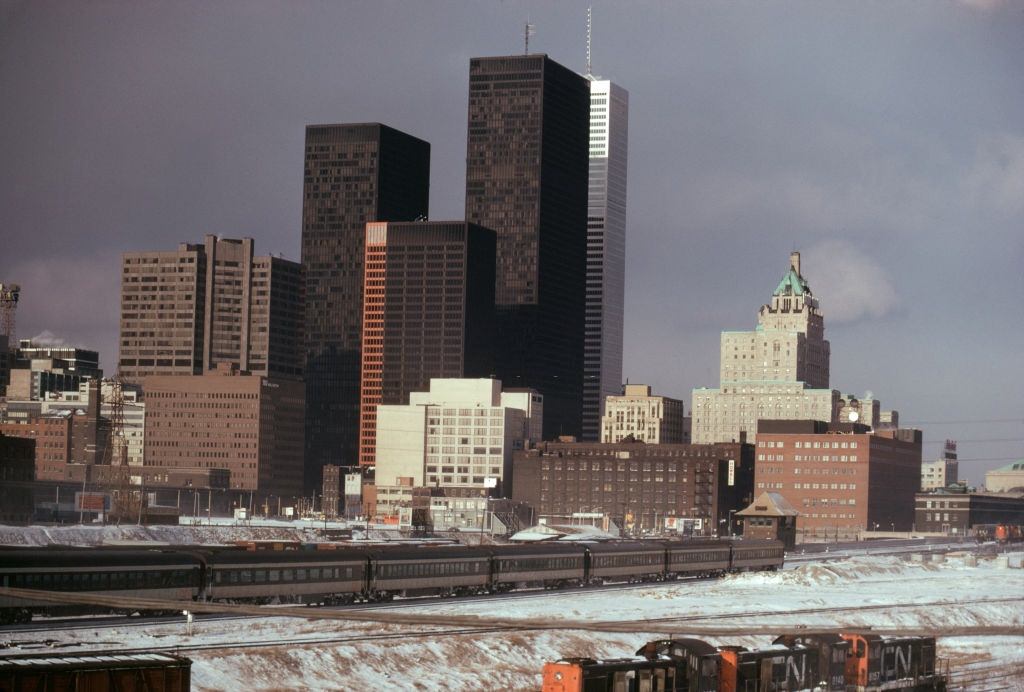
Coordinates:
<point>353,174</point>
<point>428,312</point>
<point>526,177</point>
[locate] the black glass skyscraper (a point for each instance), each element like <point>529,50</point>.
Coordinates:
<point>526,178</point>
<point>353,174</point>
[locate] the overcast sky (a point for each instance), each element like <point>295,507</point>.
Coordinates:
<point>884,140</point>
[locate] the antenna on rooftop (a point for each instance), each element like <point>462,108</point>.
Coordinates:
<point>589,28</point>
<point>528,31</point>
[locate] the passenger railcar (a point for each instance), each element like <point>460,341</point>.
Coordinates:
<point>626,561</point>
<point>697,558</point>
<point>756,555</point>
<point>446,571</point>
<point>335,576</point>
<point>123,574</point>
<point>541,564</point>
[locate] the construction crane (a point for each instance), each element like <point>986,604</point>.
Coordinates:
<point>9,294</point>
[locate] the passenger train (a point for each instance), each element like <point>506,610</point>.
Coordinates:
<point>361,574</point>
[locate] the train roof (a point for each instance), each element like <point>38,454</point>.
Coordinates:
<point>557,548</point>
<point>285,557</point>
<point>94,558</point>
<point>405,552</point>
<point>626,546</point>
<point>89,661</point>
<point>663,647</point>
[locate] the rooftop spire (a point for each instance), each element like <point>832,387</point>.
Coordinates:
<point>794,262</point>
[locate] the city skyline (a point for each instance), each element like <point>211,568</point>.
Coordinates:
<point>827,129</point>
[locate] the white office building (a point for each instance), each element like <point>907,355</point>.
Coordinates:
<point>606,250</point>
<point>459,435</point>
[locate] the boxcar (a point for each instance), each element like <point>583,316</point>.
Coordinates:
<point>757,554</point>
<point>697,558</point>
<point>124,574</point>
<point>626,561</point>
<point>543,564</point>
<point>155,672</point>
<point>407,571</point>
<point>336,576</point>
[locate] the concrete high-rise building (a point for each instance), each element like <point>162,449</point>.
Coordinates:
<point>428,312</point>
<point>526,178</point>
<point>640,416</point>
<point>460,435</point>
<point>780,370</point>
<point>353,174</point>
<point>248,424</point>
<point>606,250</point>
<point>184,312</point>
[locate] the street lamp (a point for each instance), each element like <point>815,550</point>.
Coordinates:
<point>731,512</point>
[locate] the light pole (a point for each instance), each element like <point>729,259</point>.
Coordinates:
<point>731,512</point>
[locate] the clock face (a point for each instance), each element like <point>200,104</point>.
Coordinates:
<point>854,416</point>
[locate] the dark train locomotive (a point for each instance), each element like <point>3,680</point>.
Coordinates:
<point>813,661</point>
<point>361,574</point>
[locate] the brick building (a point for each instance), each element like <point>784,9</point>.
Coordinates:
<point>250,425</point>
<point>635,483</point>
<point>17,465</point>
<point>842,478</point>
<point>957,513</point>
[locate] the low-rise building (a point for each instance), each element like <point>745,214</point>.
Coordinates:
<point>248,424</point>
<point>770,516</point>
<point>642,487</point>
<point>1006,478</point>
<point>956,513</point>
<point>639,415</point>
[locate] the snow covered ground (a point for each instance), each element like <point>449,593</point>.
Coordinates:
<point>292,653</point>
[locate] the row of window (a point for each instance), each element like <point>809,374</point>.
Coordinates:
<point>431,569</point>
<point>264,576</point>
<point>103,581</point>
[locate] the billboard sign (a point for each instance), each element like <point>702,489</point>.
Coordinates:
<point>92,502</point>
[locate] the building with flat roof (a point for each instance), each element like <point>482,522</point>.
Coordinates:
<point>957,513</point>
<point>941,473</point>
<point>354,174</point>
<point>1006,478</point>
<point>780,370</point>
<point>842,478</point>
<point>428,312</point>
<point>527,168</point>
<point>638,485</point>
<point>606,250</point>
<point>248,424</point>
<point>184,312</point>
<point>639,415</point>
<point>460,435</point>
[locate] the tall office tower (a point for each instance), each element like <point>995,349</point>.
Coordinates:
<point>428,312</point>
<point>185,311</point>
<point>353,174</point>
<point>526,178</point>
<point>779,371</point>
<point>606,250</point>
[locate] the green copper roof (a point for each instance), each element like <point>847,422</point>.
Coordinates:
<point>792,284</point>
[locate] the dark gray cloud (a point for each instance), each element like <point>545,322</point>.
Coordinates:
<point>883,139</point>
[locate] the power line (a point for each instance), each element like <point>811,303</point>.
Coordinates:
<point>962,422</point>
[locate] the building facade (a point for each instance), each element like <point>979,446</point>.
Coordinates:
<point>184,312</point>
<point>842,478</point>
<point>353,174</point>
<point>780,370</point>
<point>959,512</point>
<point>1006,478</point>
<point>247,424</point>
<point>428,312</point>
<point>52,435</point>
<point>460,435</point>
<point>638,485</point>
<point>642,417</point>
<point>941,473</point>
<point>606,250</point>
<point>527,167</point>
